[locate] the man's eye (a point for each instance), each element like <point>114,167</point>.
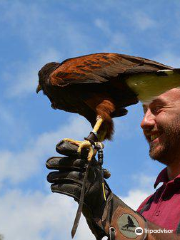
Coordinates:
<point>157,108</point>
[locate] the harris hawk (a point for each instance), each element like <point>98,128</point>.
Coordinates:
<point>99,87</point>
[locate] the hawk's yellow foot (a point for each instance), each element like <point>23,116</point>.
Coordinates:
<point>82,144</point>
<point>75,142</point>
<point>88,145</point>
<point>100,134</point>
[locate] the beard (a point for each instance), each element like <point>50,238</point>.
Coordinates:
<point>167,148</point>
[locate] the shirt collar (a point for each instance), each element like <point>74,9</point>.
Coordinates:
<point>163,177</point>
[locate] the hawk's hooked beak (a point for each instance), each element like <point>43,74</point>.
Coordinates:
<point>39,88</point>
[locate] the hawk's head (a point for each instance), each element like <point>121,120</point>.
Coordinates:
<point>44,74</point>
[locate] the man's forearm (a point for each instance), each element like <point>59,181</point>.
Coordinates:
<point>124,220</point>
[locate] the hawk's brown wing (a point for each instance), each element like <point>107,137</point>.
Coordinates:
<point>100,68</point>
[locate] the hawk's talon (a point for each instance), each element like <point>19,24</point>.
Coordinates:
<point>86,144</point>
<point>83,144</point>
<point>75,142</point>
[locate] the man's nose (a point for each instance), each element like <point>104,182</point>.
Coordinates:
<point>148,120</point>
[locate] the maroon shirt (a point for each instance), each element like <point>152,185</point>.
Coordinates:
<point>164,210</point>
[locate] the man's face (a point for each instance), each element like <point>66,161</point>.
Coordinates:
<point>161,126</point>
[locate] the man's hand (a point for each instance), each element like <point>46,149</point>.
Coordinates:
<point>68,179</point>
<point>106,215</point>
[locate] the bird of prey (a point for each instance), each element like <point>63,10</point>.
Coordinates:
<point>99,87</point>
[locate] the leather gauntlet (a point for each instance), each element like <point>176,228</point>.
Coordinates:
<point>120,222</point>
<point>108,216</point>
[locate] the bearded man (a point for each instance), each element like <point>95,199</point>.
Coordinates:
<point>158,217</point>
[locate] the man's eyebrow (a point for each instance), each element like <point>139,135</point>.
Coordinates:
<point>158,101</point>
<point>154,102</point>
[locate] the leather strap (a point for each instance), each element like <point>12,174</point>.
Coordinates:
<point>81,202</point>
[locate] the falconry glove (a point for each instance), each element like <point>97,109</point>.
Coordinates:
<point>105,213</point>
